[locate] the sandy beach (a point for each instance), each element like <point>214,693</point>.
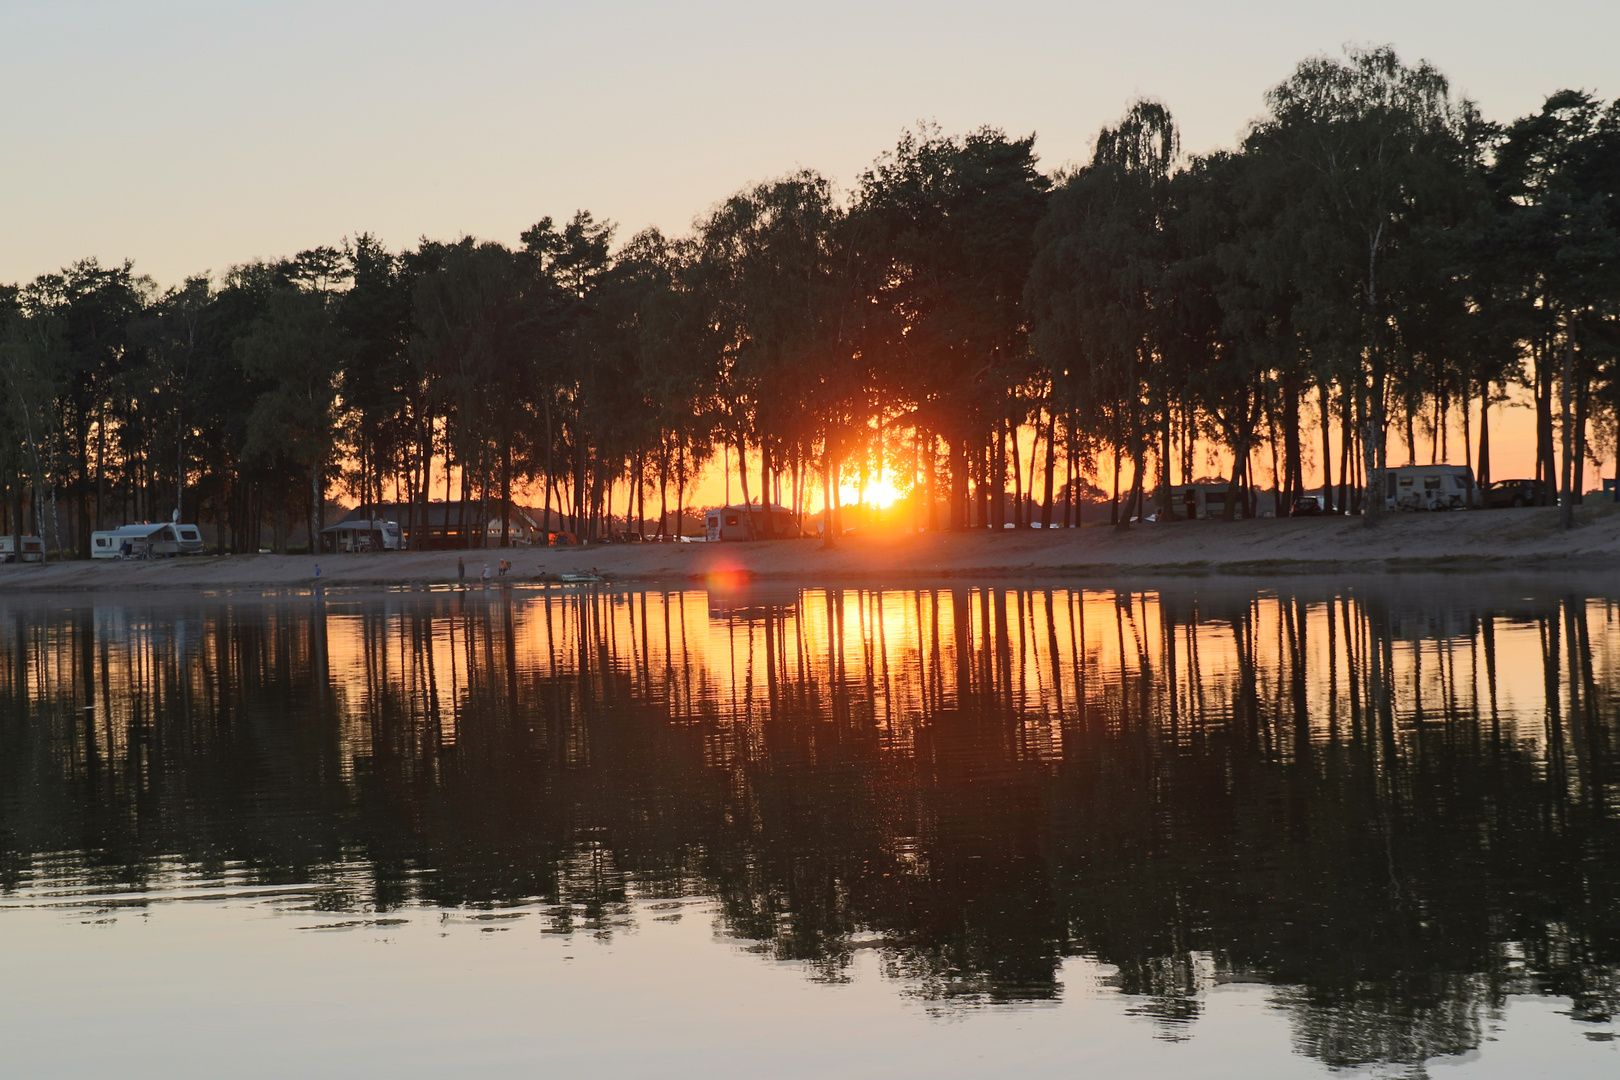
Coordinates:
<point>1482,541</point>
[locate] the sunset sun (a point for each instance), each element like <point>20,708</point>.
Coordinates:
<point>878,494</point>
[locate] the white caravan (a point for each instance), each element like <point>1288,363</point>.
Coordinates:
<point>146,541</point>
<point>1428,487</point>
<point>362,534</point>
<point>33,549</point>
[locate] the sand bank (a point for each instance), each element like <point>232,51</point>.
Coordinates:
<point>1482,540</point>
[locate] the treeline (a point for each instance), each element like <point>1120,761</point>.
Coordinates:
<point>1373,261</point>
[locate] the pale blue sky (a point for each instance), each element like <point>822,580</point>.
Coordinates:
<point>189,136</point>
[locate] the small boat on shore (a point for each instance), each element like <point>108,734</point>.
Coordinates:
<point>577,578</point>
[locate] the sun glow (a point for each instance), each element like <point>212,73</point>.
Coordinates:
<point>877,494</point>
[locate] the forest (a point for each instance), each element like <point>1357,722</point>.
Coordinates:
<point>1373,264</point>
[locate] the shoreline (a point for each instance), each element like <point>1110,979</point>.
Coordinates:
<point>1465,542</point>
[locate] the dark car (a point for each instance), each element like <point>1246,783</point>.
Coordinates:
<point>1501,493</point>
<point>1306,506</point>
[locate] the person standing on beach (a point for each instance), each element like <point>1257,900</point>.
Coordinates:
<point>486,576</point>
<point>461,571</point>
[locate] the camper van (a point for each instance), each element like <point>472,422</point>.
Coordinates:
<point>146,541</point>
<point>33,549</point>
<point>748,523</point>
<point>1428,487</point>
<point>362,534</point>
<point>1199,501</point>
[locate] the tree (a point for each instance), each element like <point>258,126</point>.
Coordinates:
<point>1097,293</point>
<point>1554,175</point>
<point>30,345</point>
<point>299,350</point>
<point>768,268</point>
<point>952,226</point>
<point>1358,151</point>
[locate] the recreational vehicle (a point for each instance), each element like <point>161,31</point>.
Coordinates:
<point>33,549</point>
<point>363,534</point>
<point>145,541</point>
<point>1428,487</point>
<point>748,523</point>
<point>1198,501</point>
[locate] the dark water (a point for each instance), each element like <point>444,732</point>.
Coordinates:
<point>1203,828</point>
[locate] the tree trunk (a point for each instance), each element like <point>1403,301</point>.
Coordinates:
<point>959,490</point>
<point>1468,447</point>
<point>1327,448</point>
<point>101,468</point>
<point>1133,501</point>
<point>663,493</point>
<point>506,495</point>
<point>1068,470</point>
<point>1113,503</point>
<point>1051,469</point>
<point>769,530</point>
<point>1071,496</point>
<point>930,479</point>
<point>1167,496</point>
<point>1566,501</point>
<point>314,507</point>
<point>828,535</point>
<point>837,500</point>
<point>680,488</point>
<point>1346,465</point>
<point>1277,470</point>
<point>1546,465</point>
<point>1293,451</point>
<point>1372,452</point>
<point>1240,456</point>
<point>1583,397</point>
<point>995,474</point>
<point>742,475</point>
<point>1018,476</point>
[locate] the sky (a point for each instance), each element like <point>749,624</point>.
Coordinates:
<point>191,136</point>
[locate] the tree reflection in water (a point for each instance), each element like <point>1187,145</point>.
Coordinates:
<point>1393,801</point>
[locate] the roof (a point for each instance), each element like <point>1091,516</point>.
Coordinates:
<point>139,532</point>
<point>747,509</point>
<point>354,524</point>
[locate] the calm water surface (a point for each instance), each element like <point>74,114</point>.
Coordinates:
<point>1202,828</point>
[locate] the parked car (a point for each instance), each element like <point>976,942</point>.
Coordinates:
<point>1501,493</point>
<point>1306,506</point>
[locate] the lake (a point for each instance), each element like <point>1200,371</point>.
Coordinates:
<point>1192,828</point>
